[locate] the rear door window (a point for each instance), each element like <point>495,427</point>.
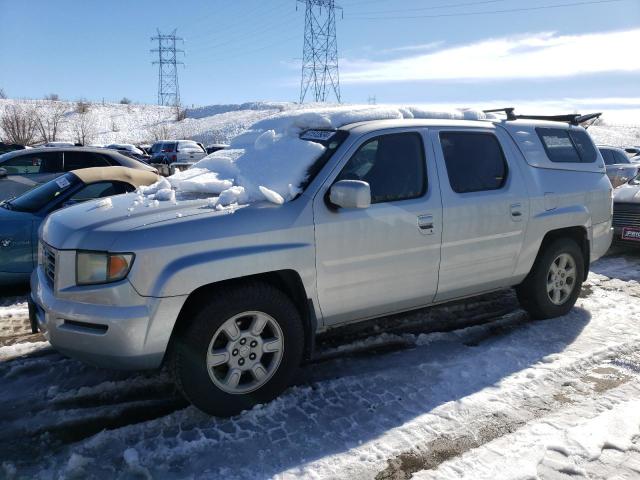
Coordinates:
<point>619,157</point>
<point>606,155</point>
<point>567,146</point>
<point>475,161</point>
<point>45,162</point>
<point>77,160</point>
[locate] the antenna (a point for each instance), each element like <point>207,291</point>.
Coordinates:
<point>168,88</point>
<point>320,53</point>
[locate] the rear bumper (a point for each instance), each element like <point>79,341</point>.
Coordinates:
<point>602,235</point>
<point>128,337</point>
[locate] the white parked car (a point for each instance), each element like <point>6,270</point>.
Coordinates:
<point>620,168</point>
<point>362,218</point>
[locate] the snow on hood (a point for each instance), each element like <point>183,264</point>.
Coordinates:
<point>270,161</point>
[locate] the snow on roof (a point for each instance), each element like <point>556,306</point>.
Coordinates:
<point>270,161</point>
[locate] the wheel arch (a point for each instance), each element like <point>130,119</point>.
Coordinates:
<point>288,281</point>
<point>577,233</point>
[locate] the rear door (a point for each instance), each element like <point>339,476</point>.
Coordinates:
<point>486,209</point>
<point>384,258</point>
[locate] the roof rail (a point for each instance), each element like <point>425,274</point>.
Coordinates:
<point>572,118</point>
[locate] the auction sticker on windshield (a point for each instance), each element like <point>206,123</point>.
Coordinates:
<point>62,182</point>
<point>318,135</point>
<point>630,233</point>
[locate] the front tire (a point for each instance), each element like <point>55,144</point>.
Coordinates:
<point>554,283</point>
<point>242,348</point>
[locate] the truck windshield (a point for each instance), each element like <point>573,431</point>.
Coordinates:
<point>331,145</point>
<point>38,197</point>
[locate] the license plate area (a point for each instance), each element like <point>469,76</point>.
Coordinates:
<point>631,233</point>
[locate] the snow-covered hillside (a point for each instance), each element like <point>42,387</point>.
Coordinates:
<point>137,124</point>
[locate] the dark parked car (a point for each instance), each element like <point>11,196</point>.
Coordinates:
<point>215,147</point>
<point>626,213</point>
<point>10,147</point>
<point>130,151</point>
<point>21,217</point>
<point>24,169</point>
<point>632,151</point>
<point>619,168</point>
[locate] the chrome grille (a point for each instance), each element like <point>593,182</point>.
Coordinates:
<point>626,214</point>
<point>49,263</point>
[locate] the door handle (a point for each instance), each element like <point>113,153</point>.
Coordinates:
<point>425,224</point>
<point>516,212</point>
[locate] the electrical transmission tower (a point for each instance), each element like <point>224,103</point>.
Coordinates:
<point>168,89</point>
<point>320,53</point>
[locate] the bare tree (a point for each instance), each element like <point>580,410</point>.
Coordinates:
<point>2,94</point>
<point>82,106</point>
<point>49,118</point>
<point>52,97</point>
<point>125,101</point>
<point>160,131</point>
<point>181,113</point>
<point>19,125</point>
<point>84,127</point>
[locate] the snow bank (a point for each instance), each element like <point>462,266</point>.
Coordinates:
<point>270,161</point>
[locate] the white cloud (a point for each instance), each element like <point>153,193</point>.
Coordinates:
<point>413,48</point>
<point>539,55</point>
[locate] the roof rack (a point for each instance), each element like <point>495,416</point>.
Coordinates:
<point>571,119</point>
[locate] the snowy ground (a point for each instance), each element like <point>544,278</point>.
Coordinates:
<point>471,390</point>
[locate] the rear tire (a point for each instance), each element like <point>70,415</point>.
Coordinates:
<point>554,283</point>
<point>243,347</point>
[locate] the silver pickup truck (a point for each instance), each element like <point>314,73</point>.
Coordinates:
<point>394,215</point>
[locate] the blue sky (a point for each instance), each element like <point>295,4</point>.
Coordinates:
<point>246,50</point>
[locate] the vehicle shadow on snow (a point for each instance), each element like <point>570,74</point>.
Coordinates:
<point>348,401</point>
<point>351,396</point>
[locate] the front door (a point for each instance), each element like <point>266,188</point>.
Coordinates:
<point>383,258</point>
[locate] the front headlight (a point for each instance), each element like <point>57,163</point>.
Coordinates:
<point>102,267</point>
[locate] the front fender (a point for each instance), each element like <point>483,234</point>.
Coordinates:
<point>185,274</point>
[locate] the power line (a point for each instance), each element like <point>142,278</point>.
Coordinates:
<point>435,7</point>
<point>320,52</point>
<point>168,88</point>
<point>245,38</point>
<point>488,12</point>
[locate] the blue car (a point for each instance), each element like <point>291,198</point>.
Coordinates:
<point>21,216</point>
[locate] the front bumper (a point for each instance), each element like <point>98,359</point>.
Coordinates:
<point>130,337</point>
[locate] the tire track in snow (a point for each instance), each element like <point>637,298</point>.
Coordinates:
<point>595,381</point>
<point>353,393</point>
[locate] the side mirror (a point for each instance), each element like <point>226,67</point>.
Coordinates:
<point>350,194</point>
<point>3,172</point>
